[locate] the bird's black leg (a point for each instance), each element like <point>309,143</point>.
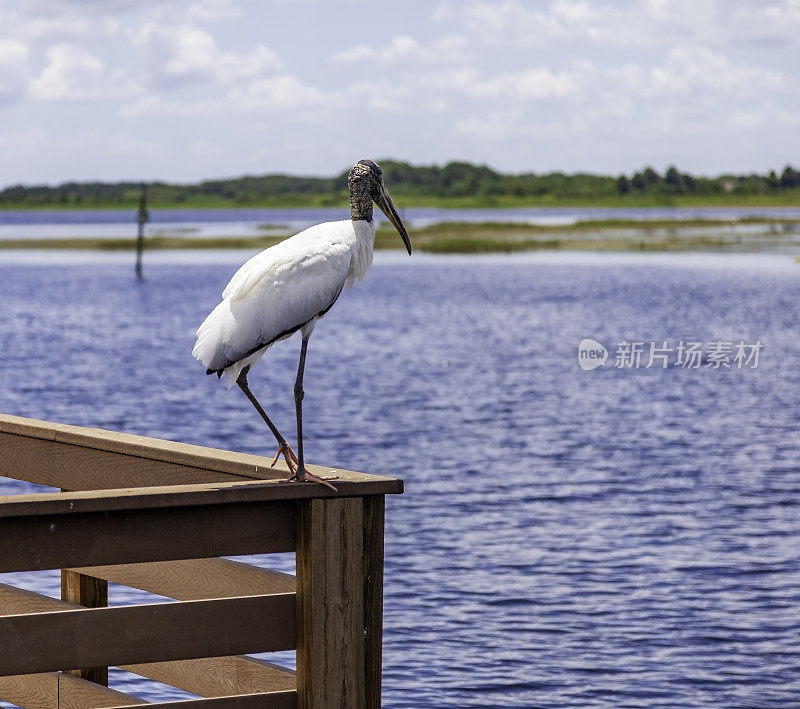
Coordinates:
<point>283,446</point>
<point>301,474</point>
<point>298,403</point>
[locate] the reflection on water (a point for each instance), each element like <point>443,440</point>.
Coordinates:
<point>568,538</point>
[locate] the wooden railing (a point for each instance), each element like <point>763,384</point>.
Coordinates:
<point>157,515</point>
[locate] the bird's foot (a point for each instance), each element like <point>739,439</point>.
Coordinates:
<point>285,450</point>
<point>303,476</point>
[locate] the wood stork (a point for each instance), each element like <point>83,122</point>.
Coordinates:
<point>289,287</point>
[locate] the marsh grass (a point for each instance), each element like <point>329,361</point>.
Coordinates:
<point>496,237</point>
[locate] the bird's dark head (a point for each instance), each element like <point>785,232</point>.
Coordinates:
<point>366,186</point>
<point>365,172</point>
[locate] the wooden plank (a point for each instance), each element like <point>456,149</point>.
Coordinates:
<point>91,637</point>
<point>17,600</point>
<point>79,458</point>
<point>76,467</point>
<point>149,449</point>
<point>330,612</point>
<point>208,676</point>
<point>219,676</point>
<point>91,593</point>
<point>373,598</point>
<point>271,700</point>
<point>139,446</point>
<point>53,689</point>
<point>194,579</point>
<point>184,496</point>
<point>33,542</point>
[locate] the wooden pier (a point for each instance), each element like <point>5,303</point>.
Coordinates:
<point>157,516</point>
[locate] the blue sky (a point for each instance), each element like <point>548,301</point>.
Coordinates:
<point>191,89</point>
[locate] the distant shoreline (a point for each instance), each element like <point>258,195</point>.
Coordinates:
<point>748,234</point>
<point>458,184</point>
<point>488,202</point>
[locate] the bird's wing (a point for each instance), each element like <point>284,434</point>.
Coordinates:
<point>262,265</point>
<point>275,293</point>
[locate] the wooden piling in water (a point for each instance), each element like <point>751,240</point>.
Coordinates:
<point>142,218</point>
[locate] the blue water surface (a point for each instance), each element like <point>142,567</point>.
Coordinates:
<point>606,538</point>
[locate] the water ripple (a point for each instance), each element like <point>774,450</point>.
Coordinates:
<point>567,538</point>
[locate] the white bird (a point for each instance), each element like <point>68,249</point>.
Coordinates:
<point>289,287</point>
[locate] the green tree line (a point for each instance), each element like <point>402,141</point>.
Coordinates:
<point>454,183</point>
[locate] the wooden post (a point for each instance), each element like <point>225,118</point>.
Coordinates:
<point>142,218</point>
<point>330,604</point>
<point>92,593</point>
<point>373,597</point>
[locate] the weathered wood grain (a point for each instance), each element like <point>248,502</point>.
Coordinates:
<point>153,449</point>
<point>74,467</point>
<point>53,690</point>
<point>373,598</point>
<point>195,579</point>
<point>158,511</point>
<point>91,593</point>
<point>78,458</point>
<point>18,600</point>
<point>91,637</point>
<point>184,496</point>
<point>208,676</point>
<point>272,700</point>
<point>330,612</point>
<point>41,541</point>
<point>219,676</point>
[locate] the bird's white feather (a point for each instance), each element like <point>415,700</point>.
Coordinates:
<point>284,288</point>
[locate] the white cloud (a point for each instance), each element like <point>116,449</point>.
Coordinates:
<point>187,53</point>
<point>54,21</point>
<point>509,82</point>
<point>647,23</point>
<point>715,21</point>
<point>212,10</point>
<point>270,96</point>
<point>281,93</point>
<point>526,85</point>
<point>206,150</point>
<point>512,22</point>
<point>405,50</point>
<point>115,144</point>
<point>766,116</point>
<point>497,125</point>
<point>66,28</point>
<point>700,72</point>
<point>22,141</point>
<point>13,69</point>
<point>437,89</point>
<point>394,97</point>
<point>176,12</point>
<point>157,106</point>
<point>356,53</point>
<point>691,91</point>
<point>74,73</point>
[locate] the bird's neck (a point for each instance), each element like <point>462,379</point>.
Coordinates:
<point>361,249</point>
<point>360,205</point>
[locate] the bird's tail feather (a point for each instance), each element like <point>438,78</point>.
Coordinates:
<point>208,349</point>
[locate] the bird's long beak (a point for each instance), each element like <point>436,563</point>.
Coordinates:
<point>385,204</point>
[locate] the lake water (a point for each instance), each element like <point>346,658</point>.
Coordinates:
<point>55,224</point>
<point>607,538</point>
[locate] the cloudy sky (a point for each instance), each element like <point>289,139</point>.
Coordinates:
<point>190,89</point>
